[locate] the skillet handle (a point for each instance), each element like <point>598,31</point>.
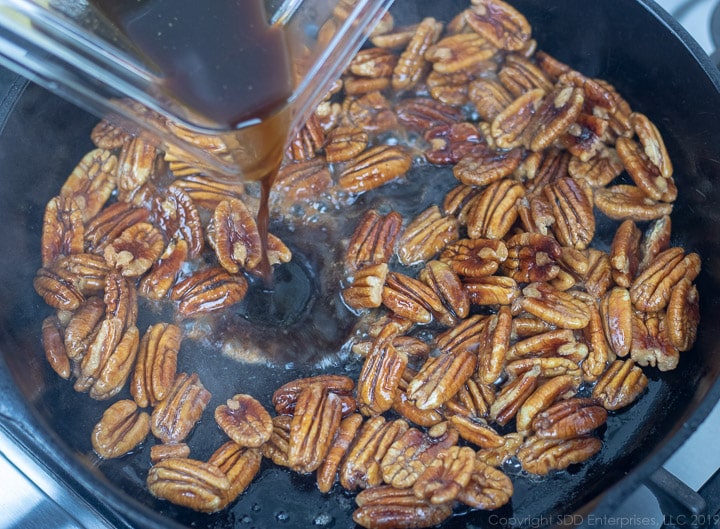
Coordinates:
<point>684,507</point>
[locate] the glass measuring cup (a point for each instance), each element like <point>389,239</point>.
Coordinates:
<point>76,51</point>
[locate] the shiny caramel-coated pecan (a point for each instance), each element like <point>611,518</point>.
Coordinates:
<point>542,456</point>
<point>176,415</point>
<point>208,290</point>
<point>650,343</point>
<point>488,488</point>
<point>426,236</point>
<point>374,167</point>
<point>625,253</point>
<point>370,110</point>
<point>240,465</point>
<point>108,135</point>
<point>532,257</point>
<point>475,257</point>
<point>513,395</point>
<point>476,431</point>
<point>345,143</point>
<point>656,239</point>
<point>304,180</point>
<point>244,420</point>
<point>135,250</point>
<point>422,113</point>
<point>447,285</point>
<point>54,346</point>
<point>136,166</point>
<point>189,483</point>
<point>458,52</point>
<point>380,377</point>
<point>373,241</point>
<point>327,471</point>
<point>451,143</point>
<point>623,201</point>
<point>57,291</point>
<point>484,166</point>
<point>490,98</point>
<point>208,192</point>
<point>495,210</point>
<point>496,457</point>
<point>492,290</point>
<point>156,284</point>
<point>365,291</point>
<point>559,110</point>
<point>158,452</point>
<point>411,298</point>
<point>361,467</point>
<point>510,127</point>
<point>411,65</point>
<point>600,353</point>
<point>652,287</point>
<point>91,182</point>
<point>121,428</point>
<point>308,141</point>
<point>81,329</point>
<point>63,231</point>
<point>683,315</point>
<point>234,236</point>
<point>556,388</point>
<point>156,364</point>
<point>599,170</point>
<point>555,307</point>
<point>494,345</point>
<point>573,211</point>
<point>278,447</point>
<point>440,378</point>
<point>617,312</point>
<point>285,397</point>
<point>316,420</point>
<point>500,23</point>
<point>107,225</point>
<point>446,475</point>
<point>385,507</point>
<point>569,418</point>
<point>620,385</point>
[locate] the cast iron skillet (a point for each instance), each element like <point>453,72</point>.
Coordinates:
<point>648,58</point>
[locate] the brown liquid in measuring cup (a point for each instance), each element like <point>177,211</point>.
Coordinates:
<point>223,61</point>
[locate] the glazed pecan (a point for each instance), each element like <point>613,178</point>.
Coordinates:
<point>408,457</point>
<point>299,181</point>
<point>513,395</point>
<point>373,62</point>
<point>559,110</point>
<point>374,167</point>
<point>327,471</point>
<point>407,410</point>
<point>54,346</point>
<point>345,143</point>
<point>556,388</point>
<point>385,507</point>
<point>361,467</point>
<point>484,166</point>
<point>135,250</point>
<point>625,253</point>
<point>683,315</point>
<point>121,428</point>
<point>156,365</point>
<point>411,65</point>
<point>113,220</point>
<point>366,289</point>
<point>426,235</point>
<point>492,290</point>
<point>599,170</point>
<point>600,352</point>
<point>651,345</point>
<point>63,231</point>
<point>510,127</point>
<point>91,182</point>
<point>285,397</point>
<point>82,327</point>
<point>373,241</point>
<point>379,377</point>
<point>451,143</point>
<point>623,201</point>
<point>109,135</point>
<point>569,418</point>
<point>158,452</point>
<point>494,345</point>
<point>120,298</point>
<point>573,212</point>
<point>446,284</point>
<point>440,378</point>
<point>446,475</point>
<point>541,456</point>
<point>162,275</point>
<point>656,239</point>
<point>495,210</point>
<point>490,97</point>
<point>452,88</point>
<point>370,111</point>
<point>240,465</point>
<point>422,113</point>
<point>189,483</point>
<point>175,416</point>
<point>244,420</point>
<point>488,488</point>
<point>476,431</point>
<point>495,457</point>
<point>308,141</point>
<point>278,447</point>
<point>207,192</point>
<point>617,312</point>
<point>620,385</point>
<point>459,52</point>
<point>472,400</point>
<point>135,167</point>
<point>553,306</point>
<point>208,290</point>
<point>652,287</point>
<point>234,236</point>
<point>598,278</point>
<point>532,257</point>
<point>475,257</point>
<point>316,420</point>
<point>411,298</point>
<point>500,23</point>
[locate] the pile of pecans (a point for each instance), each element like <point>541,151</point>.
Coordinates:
<point>531,332</point>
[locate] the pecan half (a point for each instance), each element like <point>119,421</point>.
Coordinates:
<point>91,182</point>
<point>683,315</point>
<point>234,236</point>
<point>156,365</point>
<point>411,65</point>
<point>374,167</point>
<point>63,231</point>
<point>500,23</point>
<point>135,250</point>
<point>373,241</point>
<point>623,201</point>
<point>327,471</point>
<point>617,312</point>
<point>569,418</point>
<point>542,456</point>
<point>162,275</point>
<point>189,483</point>
<point>446,475</point>
<point>121,428</point>
<point>555,307</point>
<point>176,415</point>
<point>239,464</point>
<point>440,378</point>
<point>285,397</point>
<point>573,211</point>
<point>208,290</point>
<point>488,488</point>
<point>495,210</point>
<point>482,167</point>
<point>244,420</point>
<point>426,236</point>
<point>379,377</point>
<point>532,257</point>
<point>54,346</point>
<point>652,287</point>
<point>475,257</point>
<point>620,385</point>
<point>385,507</point>
<point>344,143</point>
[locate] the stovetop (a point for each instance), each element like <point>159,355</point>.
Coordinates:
<point>30,499</point>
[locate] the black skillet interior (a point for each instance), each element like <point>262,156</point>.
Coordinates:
<point>622,41</point>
